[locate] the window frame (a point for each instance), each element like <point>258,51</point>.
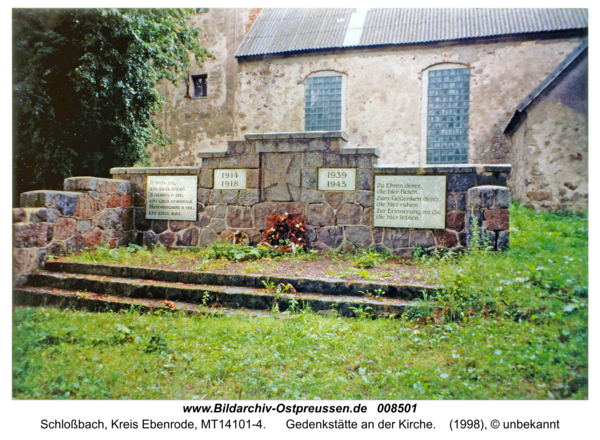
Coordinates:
<point>312,79</point>
<point>192,85</point>
<point>425,106</point>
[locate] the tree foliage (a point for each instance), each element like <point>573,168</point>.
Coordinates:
<point>85,87</point>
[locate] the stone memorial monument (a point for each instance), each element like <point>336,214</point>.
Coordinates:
<point>347,200</point>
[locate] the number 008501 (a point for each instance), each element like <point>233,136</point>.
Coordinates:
<point>397,407</point>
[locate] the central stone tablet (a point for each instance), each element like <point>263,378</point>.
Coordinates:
<point>282,177</point>
<point>410,202</point>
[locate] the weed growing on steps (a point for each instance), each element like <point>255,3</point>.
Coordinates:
<point>363,312</point>
<point>269,285</point>
<point>351,271</point>
<point>375,293</point>
<point>369,259</point>
<point>423,311</point>
<point>294,306</point>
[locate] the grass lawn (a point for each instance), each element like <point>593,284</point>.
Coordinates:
<point>511,325</point>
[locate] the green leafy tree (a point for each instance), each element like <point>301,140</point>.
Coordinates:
<point>85,87</point>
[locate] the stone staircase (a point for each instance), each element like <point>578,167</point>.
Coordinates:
<point>100,287</point>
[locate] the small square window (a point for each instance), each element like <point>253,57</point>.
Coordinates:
<point>198,86</point>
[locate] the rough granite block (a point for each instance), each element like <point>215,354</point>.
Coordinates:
<point>349,214</point>
<point>359,236</point>
<point>320,214</point>
<point>206,179</point>
<point>364,179</point>
<point>30,235</point>
<point>312,196</point>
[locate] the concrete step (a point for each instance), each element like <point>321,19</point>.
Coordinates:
<point>76,299</point>
<point>234,297</point>
<point>300,284</point>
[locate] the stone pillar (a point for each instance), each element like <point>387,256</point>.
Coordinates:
<point>488,212</point>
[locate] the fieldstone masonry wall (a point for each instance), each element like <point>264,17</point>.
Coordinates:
<point>172,233</point>
<point>476,196</point>
<point>281,176</point>
<point>89,212</point>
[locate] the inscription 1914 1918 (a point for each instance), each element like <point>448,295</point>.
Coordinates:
<point>410,202</point>
<point>230,179</point>
<point>172,197</point>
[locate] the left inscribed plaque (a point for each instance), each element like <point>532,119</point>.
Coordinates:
<point>172,198</point>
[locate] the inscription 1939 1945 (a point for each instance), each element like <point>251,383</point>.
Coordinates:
<point>337,179</point>
<point>410,202</point>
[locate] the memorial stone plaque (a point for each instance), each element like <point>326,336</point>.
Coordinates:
<point>230,179</point>
<point>172,198</point>
<point>410,202</point>
<point>337,179</point>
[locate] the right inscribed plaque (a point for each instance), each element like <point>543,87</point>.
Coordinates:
<point>410,202</point>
